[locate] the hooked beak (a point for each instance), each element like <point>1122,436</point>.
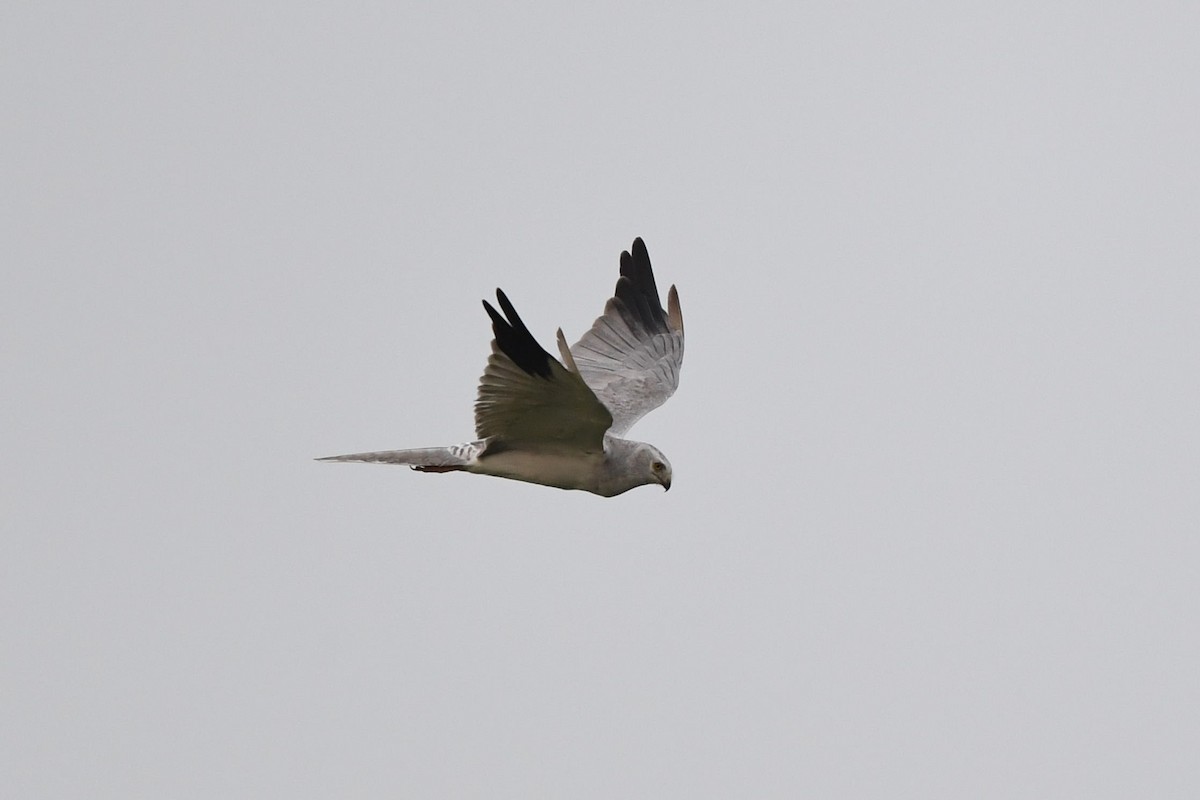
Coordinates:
<point>666,484</point>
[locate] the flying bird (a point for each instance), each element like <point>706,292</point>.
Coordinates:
<point>560,423</point>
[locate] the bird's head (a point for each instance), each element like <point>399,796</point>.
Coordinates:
<point>655,464</point>
<point>629,465</point>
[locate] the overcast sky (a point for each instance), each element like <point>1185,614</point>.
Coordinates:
<point>933,528</point>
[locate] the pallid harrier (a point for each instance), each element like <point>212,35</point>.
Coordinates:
<point>560,423</point>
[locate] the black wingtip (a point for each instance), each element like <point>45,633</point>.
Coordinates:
<point>493,313</point>
<point>506,305</point>
<point>639,250</point>
<point>637,289</point>
<point>515,340</point>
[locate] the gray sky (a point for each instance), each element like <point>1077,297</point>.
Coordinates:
<point>933,525</point>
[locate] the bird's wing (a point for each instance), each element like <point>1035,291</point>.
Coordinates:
<point>529,400</point>
<point>632,355</point>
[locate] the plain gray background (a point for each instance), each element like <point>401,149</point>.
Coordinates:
<point>933,528</point>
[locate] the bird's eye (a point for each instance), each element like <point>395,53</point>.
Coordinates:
<point>657,466</point>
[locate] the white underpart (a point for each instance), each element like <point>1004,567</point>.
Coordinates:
<point>565,471</point>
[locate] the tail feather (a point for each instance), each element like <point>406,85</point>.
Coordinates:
<point>428,459</point>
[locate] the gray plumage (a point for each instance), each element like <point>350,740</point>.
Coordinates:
<point>559,423</point>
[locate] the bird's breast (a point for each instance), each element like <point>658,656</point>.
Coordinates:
<point>563,470</point>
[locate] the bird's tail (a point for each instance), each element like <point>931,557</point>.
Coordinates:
<point>427,459</point>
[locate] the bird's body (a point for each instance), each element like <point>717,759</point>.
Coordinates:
<point>556,423</point>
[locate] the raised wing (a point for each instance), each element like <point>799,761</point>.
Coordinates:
<point>632,355</point>
<point>528,400</point>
